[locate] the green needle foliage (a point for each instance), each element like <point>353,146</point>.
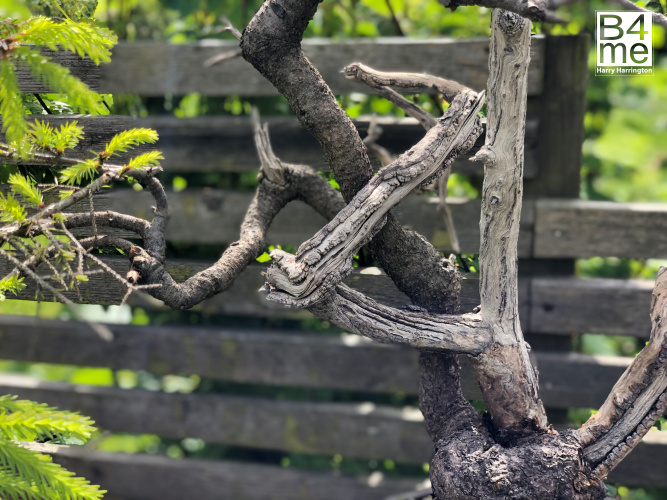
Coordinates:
<point>27,474</point>
<point>21,42</point>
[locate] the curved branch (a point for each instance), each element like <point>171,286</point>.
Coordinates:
<point>106,218</point>
<point>271,43</point>
<point>324,260</point>
<point>658,18</point>
<point>355,312</point>
<point>637,400</point>
<point>301,183</point>
<point>406,83</point>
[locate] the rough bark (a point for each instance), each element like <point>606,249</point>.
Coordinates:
<point>272,44</point>
<point>324,260</point>
<point>637,400</point>
<point>507,378</point>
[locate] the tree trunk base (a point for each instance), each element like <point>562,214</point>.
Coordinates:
<point>468,464</point>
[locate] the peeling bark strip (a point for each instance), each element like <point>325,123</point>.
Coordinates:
<point>637,400</point>
<point>324,260</point>
<point>506,376</point>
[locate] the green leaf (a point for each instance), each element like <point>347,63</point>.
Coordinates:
<point>26,189</point>
<point>12,284</point>
<point>150,159</point>
<point>68,136</point>
<point>46,477</point>
<point>10,209</point>
<point>26,420</point>
<point>130,138</point>
<point>83,38</point>
<point>76,174</point>
<point>265,257</point>
<point>42,135</point>
<point>11,106</point>
<point>15,488</point>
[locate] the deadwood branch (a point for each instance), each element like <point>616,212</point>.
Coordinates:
<point>637,400</point>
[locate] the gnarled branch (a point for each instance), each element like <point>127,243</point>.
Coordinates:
<point>271,43</point>
<point>637,400</point>
<point>406,83</point>
<point>324,260</point>
<point>506,376</point>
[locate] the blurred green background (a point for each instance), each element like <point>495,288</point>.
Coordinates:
<point>625,159</point>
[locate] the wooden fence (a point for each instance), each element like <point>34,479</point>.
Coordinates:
<point>556,228</point>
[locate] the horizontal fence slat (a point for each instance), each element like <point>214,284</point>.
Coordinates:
<point>614,307</point>
<point>149,477</point>
<point>554,305</point>
<point>152,477</point>
<point>83,69</point>
<point>244,298</point>
<point>361,430</point>
<point>153,69</point>
<point>226,143</point>
<point>353,430</point>
<point>579,228</point>
<point>344,362</point>
<point>214,216</point>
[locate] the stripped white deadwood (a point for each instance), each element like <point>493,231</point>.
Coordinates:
<point>504,371</point>
<point>637,400</point>
<point>324,260</point>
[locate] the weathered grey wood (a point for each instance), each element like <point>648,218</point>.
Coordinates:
<point>226,144</point>
<point>361,430</point>
<point>579,228</point>
<point>554,306</point>
<point>355,430</point>
<point>152,477</point>
<point>344,362</point>
<point>568,305</point>
<point>157,68</point>
<point>149,477</point>
<point>563,105</point>
<point>153,69</point>
<point>561,109</point>
<point>244,299</point>
<point>83,69</point>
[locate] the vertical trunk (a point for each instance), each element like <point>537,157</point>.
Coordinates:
<point>507,379</point>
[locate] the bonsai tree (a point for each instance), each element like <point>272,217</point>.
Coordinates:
<point>509,451</point>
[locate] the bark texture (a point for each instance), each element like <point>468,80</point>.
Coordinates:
<point>272,44</point>
<point>506,376</point>
<point>637,400</point>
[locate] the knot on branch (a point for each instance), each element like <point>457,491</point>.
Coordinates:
<point>486,155</point>
<point>511,23</point>
<point>142,266</point>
